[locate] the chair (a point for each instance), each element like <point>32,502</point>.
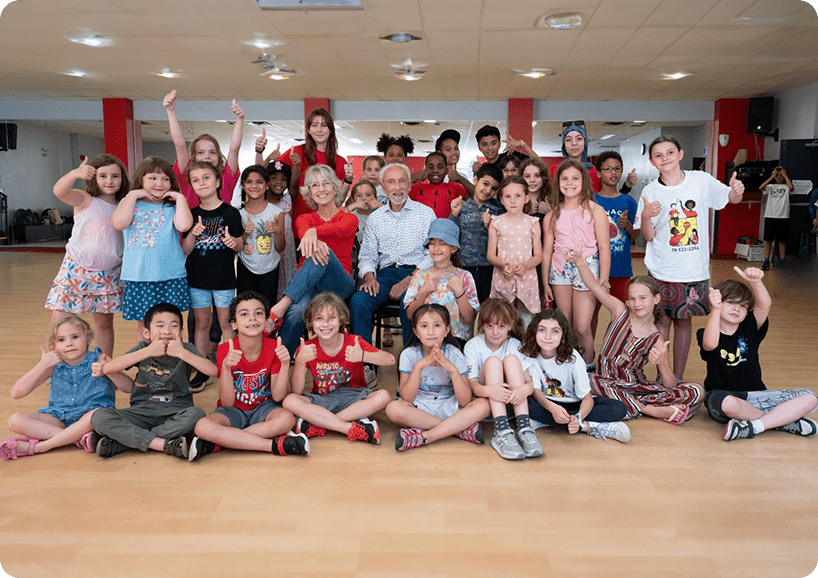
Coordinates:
<point>380,317</point>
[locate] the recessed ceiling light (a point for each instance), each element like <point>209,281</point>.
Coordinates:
<point>167,73</point>
<point>401,37</point>
<point>560,21</point>
<point>677,75</point>
<point>279,77</point>
<point>538,73</point>
<point>309,4</point>
<point>639,122</point>
<point>607,136</point>
<point>80,74</point>
<point>406,75</point>
<point>431,121</point>
<point>356,140</point>
<point>94,40</point>
<point>263,43</point>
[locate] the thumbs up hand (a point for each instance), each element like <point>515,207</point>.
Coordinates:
<point>232,358</point>
<point>354,353</point>
<point>630,180</point>
<point>737,187</point>
<point>237,110</point>
<point>169,102</point>
<point>198,228</point>
<point>282,352</point>
<point>261,141</point>
<point>306,352</point>
<point>659,354</point>
<point>85,171</point>
<point>248,228</point>
<point>276,154</point>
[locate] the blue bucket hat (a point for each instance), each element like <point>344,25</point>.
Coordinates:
<point>445,230</point>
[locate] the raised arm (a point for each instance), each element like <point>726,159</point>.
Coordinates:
<point>611,303</point>
<point>123,214</point>
<point>176,134</point>
<point>649,211</point>
<point>36,376</point>
<point>547,255</point>
<point>763,301</point>
<point>603,241</point>
<point>736,190</point>
<point>305,353</point>
<point>75,197</point>
<point>235,138</point>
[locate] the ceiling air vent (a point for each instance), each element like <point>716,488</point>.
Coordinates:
<point>310,4</point>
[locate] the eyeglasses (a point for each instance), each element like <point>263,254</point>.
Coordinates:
<point>568,123</point>
<point>611,169</point>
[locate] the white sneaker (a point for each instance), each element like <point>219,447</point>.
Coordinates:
<point>370,376</point>
<point>530,444</point>
<point>506,445</point>
<point>615,429</point>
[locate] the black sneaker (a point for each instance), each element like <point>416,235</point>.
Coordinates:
<point>366,430</point>
<point>766,265</point>
<point>177,447</point>
<point>738,429</point>
<point>291,444</point>
<point>801,427</point>
<point>199,448</point>
<point>107,447</point>
<point>309,430</point>
<point>198,382</point>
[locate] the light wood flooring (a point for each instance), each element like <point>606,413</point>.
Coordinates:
<point>675,501</point>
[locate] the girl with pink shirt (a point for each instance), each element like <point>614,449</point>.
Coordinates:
<point>575,222</point>
<point>88,281</point>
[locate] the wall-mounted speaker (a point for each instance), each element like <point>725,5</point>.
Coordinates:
<point>760,118</point>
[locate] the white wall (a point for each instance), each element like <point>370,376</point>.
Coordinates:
<point>797,118</point>
<point>632,158</point>
<point>28,174</point>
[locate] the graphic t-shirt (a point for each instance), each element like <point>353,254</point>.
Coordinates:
<point>437,197</point>
<point>251,379</point>
<point>561,382</point>
<point>734,364</point>
<point>434,380</point>
<point>620,242</point>
<point>680,251</point>
<point>164,379</point>
<point>474,235</point>
<point>210,264</point>
<point>259,254</point>
<point>777,201</point>
<point>329,373</point>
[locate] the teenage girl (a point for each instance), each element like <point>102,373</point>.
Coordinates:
<point>395,149</point>
<point>631,340</point>
<point>372,166</point>
<point>435,397</point>
<point>680,260</point>
<point>88,280</point>
<point>262,239</point>
<point>152,215</point>
<point>510,166</point>
<point>73,397</point>
<point>575,219</point>
<point>496,373</point>
<point>563,392</point>
<point>536,177</point>
<point>205,148</point>
<point>515,249</point>
<point>445,282</point>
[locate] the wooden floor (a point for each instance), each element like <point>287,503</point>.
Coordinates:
<point>675,501</point>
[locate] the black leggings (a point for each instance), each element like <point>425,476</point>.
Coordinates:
<point>266,283</point>
<point>604,410</point>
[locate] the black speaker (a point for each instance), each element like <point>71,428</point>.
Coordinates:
<point>760,118</point>
<point>8,136</point>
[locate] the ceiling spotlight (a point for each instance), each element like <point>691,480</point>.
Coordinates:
<point>607,136</point>
<point>355,140</point>
<point>279,77</point>
<point>263,43</point>
<point>410,75</point>
<point>677,75</point>
<point>408,70</point>
<point>401,37</point>
<point>167,73</point>
<point>560,21</point>
<point>93,40</point>
<point>537,73</point>
<point>79,74</point>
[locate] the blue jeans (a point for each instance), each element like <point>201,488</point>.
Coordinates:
<point>604,410</point>
<point>308,282</point>
<point>363,305</point>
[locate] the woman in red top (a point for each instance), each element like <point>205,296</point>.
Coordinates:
<point>327,235</point>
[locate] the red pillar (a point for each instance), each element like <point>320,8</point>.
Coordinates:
<point>520,117</point>
<point>730,118</point>
<point>310,104</point>
<point>123,138</point>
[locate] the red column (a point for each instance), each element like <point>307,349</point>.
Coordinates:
<point>310,104</point>
<point>520,117</point>
<point>122,138</point>
<point>730,118</point>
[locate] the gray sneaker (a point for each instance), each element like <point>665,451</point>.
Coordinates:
<point>530,444</point>
<point>800,427</point>
<point>615,429</point>
<point>506,445</point>
<point>370,376</point>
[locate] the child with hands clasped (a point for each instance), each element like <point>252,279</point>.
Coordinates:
<point>435,397</point>
<point>496,372</point>
<point>444,282</point>
<point>631,340</point>
<point>515,249</point>
<point>339,399</point>
<point>677,253</point>
<point>563,393</point>
<point>263,238</point>
<point>729,343</point>
<point>162,413</point>
<point>89,277</point>
<point>74,396</point>
<point>254,381</point>
<point>575,220</point>
<point>152,215</point>
<point>211,246</point>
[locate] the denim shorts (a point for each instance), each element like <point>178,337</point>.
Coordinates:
<point>338,399</point>
<point>242,418</point>
<point>438,406</point>
<point>570,274</point>
<point>202,298</point>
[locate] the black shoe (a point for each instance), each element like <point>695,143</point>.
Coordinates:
<point>107,447</point>
<point>766,265</point>
<point>801,427</point>
<point>177,447</point>
<point>198,382</point>
<point>291,444</point>
<point>199,448</point>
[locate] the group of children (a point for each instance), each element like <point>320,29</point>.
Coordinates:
<point>488,246</point>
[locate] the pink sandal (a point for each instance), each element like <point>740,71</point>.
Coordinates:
<point>88,442</point>
<point>678,417</point>
<point>8,448</point>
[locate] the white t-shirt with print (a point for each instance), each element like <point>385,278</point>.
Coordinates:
<point>561,382</point>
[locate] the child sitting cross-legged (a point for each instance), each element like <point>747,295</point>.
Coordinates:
<point>729,343</point>
<point>162,413</point>
<point>339,399</point>
<point>254,381</point>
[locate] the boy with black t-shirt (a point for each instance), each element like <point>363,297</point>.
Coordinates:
<point>729,344</point>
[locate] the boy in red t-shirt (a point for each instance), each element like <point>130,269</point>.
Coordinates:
<point>253,372</point>
<point>436,194</point>
<point>339,399</point>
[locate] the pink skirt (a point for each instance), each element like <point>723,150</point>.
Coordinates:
<point>80,291</point>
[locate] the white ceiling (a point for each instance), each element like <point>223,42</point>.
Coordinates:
<point>736,48</point>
